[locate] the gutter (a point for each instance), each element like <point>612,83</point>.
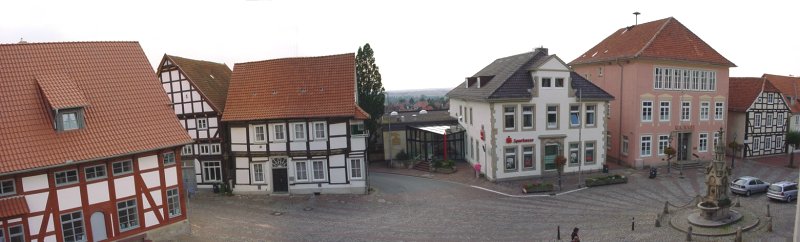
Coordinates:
<point>619,112</point>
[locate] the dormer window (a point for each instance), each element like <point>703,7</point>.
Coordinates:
<point>69,119</point>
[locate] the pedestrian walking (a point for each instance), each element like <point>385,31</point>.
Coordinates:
<point>574,235</point>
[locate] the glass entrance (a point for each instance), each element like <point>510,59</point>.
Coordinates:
<point>683,145</point>
<point>550,153</point>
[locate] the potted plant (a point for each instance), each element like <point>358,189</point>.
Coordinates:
<point>537,187</point>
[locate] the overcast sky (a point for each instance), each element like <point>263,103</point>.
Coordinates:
<point>418,44</point>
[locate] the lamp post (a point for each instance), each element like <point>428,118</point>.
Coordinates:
<point>580,140</point>
<point>733,154</point>
<point>391,141</point>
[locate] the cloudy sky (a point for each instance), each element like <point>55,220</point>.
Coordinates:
<point>418,44</point>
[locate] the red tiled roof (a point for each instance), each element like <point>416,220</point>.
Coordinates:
<point>128,112</point>
<point>747,90</point>
<point>789,86</point>
<point>307,87</point>
<point>60,91</point>
<point>13,206</point>
<point>665,39</point>
<point>210,78</point>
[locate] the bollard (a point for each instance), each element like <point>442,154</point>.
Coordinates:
<point>769,224</point>
<point>768,211</point>
<point>558,232</point>
<point>689,234</point>
<point>666,208</point>
<point>738,237</point>
<point>658,220</point>
<point>737,203</point>
<point>633,226</point>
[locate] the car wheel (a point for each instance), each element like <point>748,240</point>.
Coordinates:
<point>789,199</point>
<point>747,193</point>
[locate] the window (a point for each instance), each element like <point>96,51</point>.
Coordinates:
<point>703,146</point>
<point>667,78</point>
<point>511,158</point>
<point>319,130</point>
<point>770,98</point>
<point>780,119</point>
<point>686,111</point>
<point>645,145</point>
<point>278,131</point>
<point>663,143</point>
<point>527,157</point>
<point>69,120</point>
<point>204,149</point>
<point>215,149</point>
<point>7,187</point>
<point>663,113</point>
<point>547,82</point>
<point>757,120</point>
<point>608,141</point>
<point>527,117</point>
<point>508,117</point>
<point>684,79</point>
<point>779,141</point>
<point>128,217</point>
<point>695,77</point>
<point>574,153</point>
<point>591,121</point>
<point>66,177</point>
<point>258,172</point>
<point>16,233</point>
<point>589,152</point>
<point>600,71</point>
<point>96,172</point>
<point>552,117</point>
<point>169,158</point>
<point>202,123</point>
<point>658,83</point>
<point>72,227</point>
<point>299,131</point>
<point>575,115</point>
<point>318,168</point>
<point>356,170</point>
<point>718,110</point>
<point>704,109</point>
<point>212,171</point>
<point>301,170</point>
<point>756,143</point>
<point>770,121</point>
<point>625,145</point>
<point>559,82</point>
<point>173,202</point>
<point>647,111</point>
<point>470,116</point>
<point>259,133</point>
<point>716,141</point>
<point>188,150</point>
<point>122,167</point>
<point>768,142</point>
<point>357,129</point>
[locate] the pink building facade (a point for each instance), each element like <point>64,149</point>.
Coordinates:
<point>671,90</point>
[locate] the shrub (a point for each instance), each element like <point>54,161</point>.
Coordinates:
<point>402,155</point>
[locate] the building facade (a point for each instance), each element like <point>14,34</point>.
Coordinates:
<point>671,90</point>
<point>295,127</point>
<point>521,112</point>
<point>87,158</point>
<point>197,90</point>
<point>759,115</point>
<point>789,86</point>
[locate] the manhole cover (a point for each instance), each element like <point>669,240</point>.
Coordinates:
<point>308,209</point>
<point>277,213</point>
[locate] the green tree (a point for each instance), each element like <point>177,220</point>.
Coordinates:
<point>792,141</point>
<point>371,93</point>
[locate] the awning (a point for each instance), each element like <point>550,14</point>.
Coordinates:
<point>13,206</point>
<point>434,129</point>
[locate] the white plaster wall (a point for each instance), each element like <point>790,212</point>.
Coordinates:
<point>34,224</point>
<point>238,135</point>
<point>358,143</point>
<point>151,179</point>
<point>212,121</point>
<point>197,168</point>
<point>150,219</point>
<point>124,187</point>
<point>338,142</point>
<point>338,129</point>
<point>145,203</point>
<point>51,238</point>
<point>98,192</point>
<point>318,145</point>
<point>148,162</point>
<point>295,146</point>
<point>258,147</point>
<point>202,134</point>
<point>37,202</point>
<point>278,146</point>
<point>338,175</point>
<point>242,176</point>
<point>170,176</point>
<point>69,198</point>
<point>337,160</point>
<point>480,117</point>
<point>30,183</point>
<point>242,162</point>
<point>156,197</point>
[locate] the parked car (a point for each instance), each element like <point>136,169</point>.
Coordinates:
<point>784,191</point>
<point>747,185</point>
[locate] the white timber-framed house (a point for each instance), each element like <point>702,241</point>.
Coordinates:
<point>295,126</point>
<point>197,90</point>
<point>522,111</point>
<point>789,86</point>
<point>89,145</point>
<point>759,116</point>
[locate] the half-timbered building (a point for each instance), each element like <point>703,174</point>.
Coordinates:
<point>790,88</point>
<point>197,90</point>
<point>88,146</point>
<point>758,116</point>
<point>295,127</point>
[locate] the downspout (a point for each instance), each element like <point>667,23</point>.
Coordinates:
<point>619,112</point>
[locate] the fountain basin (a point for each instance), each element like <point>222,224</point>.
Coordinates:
<point>710,215</point>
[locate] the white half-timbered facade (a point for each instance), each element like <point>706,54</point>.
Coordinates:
<point>295,127</point>
<point>197,90</point>
<point>74,166</point>
<point>759,113</point>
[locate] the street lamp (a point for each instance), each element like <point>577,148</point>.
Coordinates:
<point>391,141</point>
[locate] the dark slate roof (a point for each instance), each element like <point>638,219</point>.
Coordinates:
<point>588,89</point>
<point>509,78</point>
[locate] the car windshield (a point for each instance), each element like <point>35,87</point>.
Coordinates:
<point>775,188</point>
<point>740,182</point>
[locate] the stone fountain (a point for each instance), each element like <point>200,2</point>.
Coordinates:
<point>714,209</point>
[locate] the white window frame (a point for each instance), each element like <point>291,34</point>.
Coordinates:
<point>174,203</point>
<point>510,155</point>
<point>278,132</point>
<point>509,115</point>
<point>66,176</point>
<point>589,148</point>
<point>205,149</point>
<point>674,78</point>
<point>702,145</point>
<point>262,134</point>
<point>686,110</point>
<point>756,143</point>
<point>188,149</point>
<point>719,110</point>
<point>549,82</point>
<point>757,120</point>
<point>555,124</point>
<point>770,120</point>
<point>8,192</point>
<point>770,98</point>
<point>593,113</point>
<point>208,171</point>
<point>647,111</point>
<point>75,224</point>
<point>301,164</point>
<point>532,154</point>
<point>316,130</point>
<point>576,113</point>
<point>779,141</point>
<point>64,119</point>
<point>313,170</point>
<point>122,172</point>
<point>664,111</point>
<point>356,164</point>
<point>705,109</point>
<point>646,146</point>
<point>715,140</point>
<point>256,175</point>
<point>128,209</point>
<point>204,123</point>
<point>779,120</point>
<point>215,149</point>
<point>558,80</point>
<point>94,172</point>
<point>528,113</point>
<point>663,143</point>
<point>625,149</point>
<point>574,150</point>
<point>20,234</point>
<point>295,134</point>
<point>168,161</point>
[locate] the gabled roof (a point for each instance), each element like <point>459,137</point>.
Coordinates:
<point>210,78</point>
<point>509,78</point>
<point>305,87</point>
<point>747,89</point>
<point>789,86</point>
<point>665,39</point>
<point>588,90</point>
<point>127,112</point>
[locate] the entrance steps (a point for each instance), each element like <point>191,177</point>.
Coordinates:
<point>689,164</point>
<point>423,166</point>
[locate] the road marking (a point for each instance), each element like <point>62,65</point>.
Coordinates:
<point>522,196</point>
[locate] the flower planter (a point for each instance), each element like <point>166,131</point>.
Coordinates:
<point>535,188</point>
<point>606,180</point>
<point>445,170</point>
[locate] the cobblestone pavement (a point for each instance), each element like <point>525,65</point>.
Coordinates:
<point>418,209</point>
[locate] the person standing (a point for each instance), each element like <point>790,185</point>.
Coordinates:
<point>574,235</point>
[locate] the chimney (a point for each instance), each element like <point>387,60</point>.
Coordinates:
<point>466,82</point>
<point>542,49</point>
<point>479,82</point>
<point>21,41</point>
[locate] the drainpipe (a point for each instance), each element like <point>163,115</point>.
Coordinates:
<point>619,111</point>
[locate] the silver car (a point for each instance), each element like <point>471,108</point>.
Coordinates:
<point>784,191</point>
<point>747,185</point>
